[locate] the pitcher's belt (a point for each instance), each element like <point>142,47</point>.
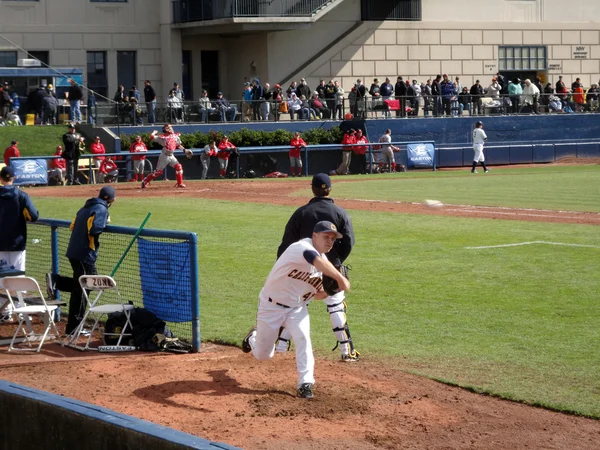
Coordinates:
<point>278,304</point>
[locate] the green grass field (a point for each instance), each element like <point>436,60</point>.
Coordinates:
<point>519,322</point>
<point>33,141</point>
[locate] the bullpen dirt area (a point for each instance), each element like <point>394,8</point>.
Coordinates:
<point>225,395</point>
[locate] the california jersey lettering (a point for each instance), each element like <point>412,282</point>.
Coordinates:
<point>293,280</point>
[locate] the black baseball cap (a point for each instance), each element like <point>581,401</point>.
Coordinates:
<point>324,226</point>
<point>71,125</point>
<point>107,193</point>
<point>321,181</point>
<point>7,172</point>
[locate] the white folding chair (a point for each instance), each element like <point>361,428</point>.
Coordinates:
<point>98,284</point>
<point>29,306</point>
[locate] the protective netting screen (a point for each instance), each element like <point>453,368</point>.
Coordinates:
<point>156,274</point>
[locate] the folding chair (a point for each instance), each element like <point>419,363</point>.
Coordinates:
<point>23,310</point>
<point>98,284</point>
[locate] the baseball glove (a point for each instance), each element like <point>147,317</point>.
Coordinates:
<point>174,345</point>
<point>188,153</point>
<point>330,285</point>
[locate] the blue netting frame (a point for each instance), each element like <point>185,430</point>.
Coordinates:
<point>171,283</point>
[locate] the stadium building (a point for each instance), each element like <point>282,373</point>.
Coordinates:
<point>219,44</point>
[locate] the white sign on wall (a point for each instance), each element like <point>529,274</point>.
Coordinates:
<point>581,51</point>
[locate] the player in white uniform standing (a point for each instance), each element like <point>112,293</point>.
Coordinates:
<point>295,279</point>
<point>170,142</point>
<point>479,138</point>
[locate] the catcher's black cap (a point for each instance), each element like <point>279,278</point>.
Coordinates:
<point>324,226</point>
<point>321,181</point>
<point>479,124</point>
<point>107,193</point>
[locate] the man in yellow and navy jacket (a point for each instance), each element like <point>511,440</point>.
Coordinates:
<point>89,223</point>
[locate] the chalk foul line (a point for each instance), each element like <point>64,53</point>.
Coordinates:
<point>518,244</point>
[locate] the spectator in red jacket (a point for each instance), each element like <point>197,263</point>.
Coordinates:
<point>361,151</point>
<point>11,152</point>
<point>139,149</point>
<point>58,167</point>
<point>108,171</point>
<point>225,149</point>
<point>297,144</point>
<point>97,148</point>
<point>349,138</point>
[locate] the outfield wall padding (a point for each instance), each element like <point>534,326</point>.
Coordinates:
<point>30,418</point>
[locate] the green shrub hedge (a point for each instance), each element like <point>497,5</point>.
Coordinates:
<point>245,138</point>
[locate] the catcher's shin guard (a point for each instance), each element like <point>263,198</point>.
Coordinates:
<point>152,176</point>
<point>337,315</point>
<point>284,342</point>
<point>179,173</point>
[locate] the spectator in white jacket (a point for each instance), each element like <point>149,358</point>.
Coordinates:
<point>530,96</point>
<point>295,106</point>
<point>494,89</point>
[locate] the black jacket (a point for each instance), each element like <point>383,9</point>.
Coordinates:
<point>149,94</point>
<point>400,89</point>
<point>304,219</point>
<point>70,146</point>
<point>16,209</point>
<point>75,93</point>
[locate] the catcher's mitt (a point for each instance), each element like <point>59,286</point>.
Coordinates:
<point>188,153</point>
<point>174,345</point>
<point>330,285</point>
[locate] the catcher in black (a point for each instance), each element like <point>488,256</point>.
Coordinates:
<point>301,225</point>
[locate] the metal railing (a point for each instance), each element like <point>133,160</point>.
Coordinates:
<point>124,114</point>
<point>200,10</point>
<point>391,10</point>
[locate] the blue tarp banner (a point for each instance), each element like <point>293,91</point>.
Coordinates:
<point>165,275</point>
<point>30,171</point>
<point>420,155</point>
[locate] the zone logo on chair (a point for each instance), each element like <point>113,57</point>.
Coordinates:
<point>95,286</point>
<point>30,302</point>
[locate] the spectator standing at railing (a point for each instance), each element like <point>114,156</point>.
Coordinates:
<point>592,98</point>
<point>400,93</point>
<point>464,101</point>
<point>225,109</point>
<point>295,107</point>
<point>257,99</point>
<point>247,102</point>
<point>530,97</point>
<point>436,94</point>
<point>50,106</point>
<point>560,85</point>
<point>97,148</point>
<point>575,84</point>
<point>427,98</point>
<point>410,97</point>
<point>108,171</point>
<point>297,144</point>
<point>150,99</point>
<point>417,98</point>
<point>347,149</point>
<point>360,151</point>
<point>447,90</point>
<point>205,106</point>
<point>303,89</point>
<point>91,107</point>
<point>476,95</point>
<point>11,152</point>
<point>361,98</point>
<point>322,89</point>
<point>139,149</point>
<point>75,95</point>
<point>494,89</point>
<point>387,91</point>
<point>210,150</point>
<point>276,99</point>
<point>226,147</point>
<point>291,89</point>
<point>58,167</point>
<point>515,91</point>
<point>339,101</point>
<point>579,97</point>
<point>376,100</point>
<point>330,92</point>
<point>266,102</point>
<point>71,141</point>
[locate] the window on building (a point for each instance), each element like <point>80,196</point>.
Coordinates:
<point>126,69</point>
<point>8,59</point>
<point>109,1</point>
<point>391,10</point>
<point>522,58</point>
<point>96,73</point>
<point>42,55</point>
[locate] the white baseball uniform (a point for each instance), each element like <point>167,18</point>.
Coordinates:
<point>387,154</point>
<point>283,302</point>
<point>479,138</point>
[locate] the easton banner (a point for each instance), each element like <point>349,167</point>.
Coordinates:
<point>30,171</point>
<point>421,155</point>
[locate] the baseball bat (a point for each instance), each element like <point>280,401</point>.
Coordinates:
<point>135,236</point>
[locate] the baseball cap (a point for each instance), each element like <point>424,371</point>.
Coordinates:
<point>107,193</point>
<point>71,125</point>
<point>7,172</point>
<point>324,226</point>
<point>13,142</point>
<point>219,93</point>
<point>321,181</point>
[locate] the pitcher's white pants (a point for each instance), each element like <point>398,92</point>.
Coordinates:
<point>269,319</point>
